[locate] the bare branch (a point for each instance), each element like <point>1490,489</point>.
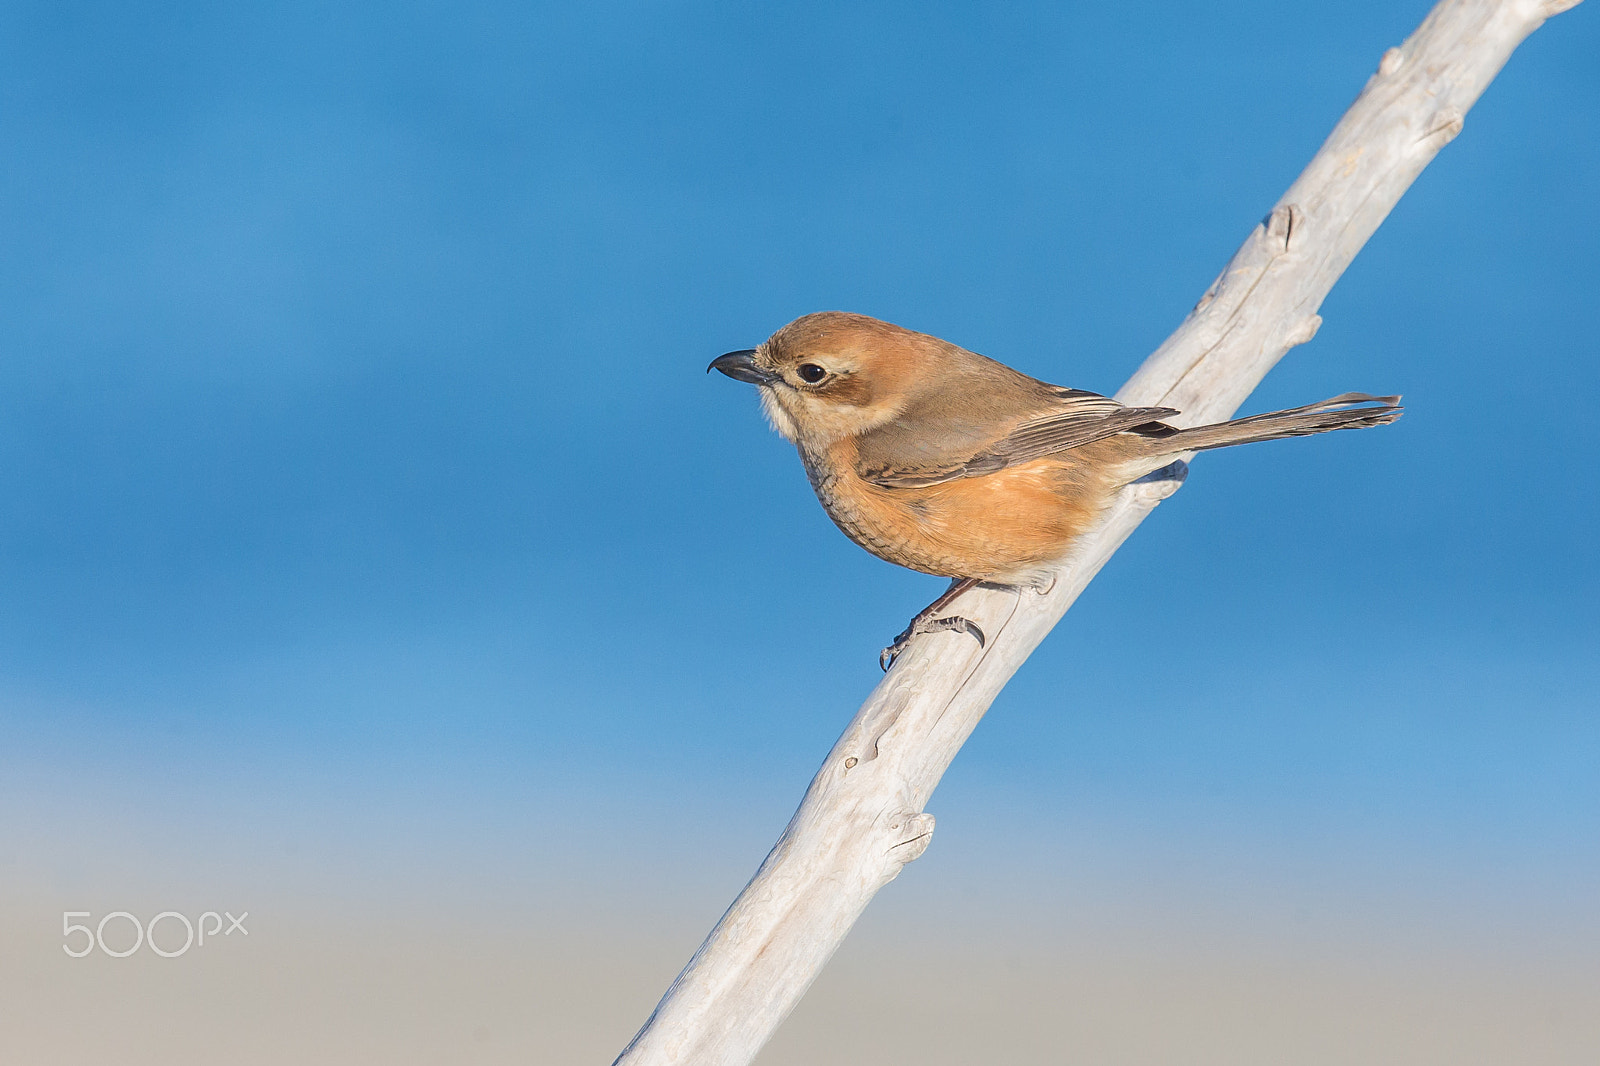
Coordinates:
<point>862,818</point>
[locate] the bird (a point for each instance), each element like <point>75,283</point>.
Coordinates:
<point>950,463</point>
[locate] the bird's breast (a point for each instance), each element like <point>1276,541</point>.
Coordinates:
<point>1000,526</point>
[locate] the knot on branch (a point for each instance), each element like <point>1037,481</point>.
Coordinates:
<point>1442,128</point>
<point>1280,232</point>
<point>1284,228</point>
<point>910,833</point>
<point>1303,331</point>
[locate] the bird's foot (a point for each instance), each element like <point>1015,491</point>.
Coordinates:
<point>920,625</point>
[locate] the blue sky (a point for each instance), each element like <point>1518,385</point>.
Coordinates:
<point>361,482</point>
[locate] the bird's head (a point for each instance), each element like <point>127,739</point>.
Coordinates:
<point>832,374</point>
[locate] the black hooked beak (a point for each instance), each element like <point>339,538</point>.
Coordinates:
<point>741,366</point>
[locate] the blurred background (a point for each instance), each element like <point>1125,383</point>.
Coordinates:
<point>377,559</point>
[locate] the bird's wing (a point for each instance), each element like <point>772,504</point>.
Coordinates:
<point>913,453</point>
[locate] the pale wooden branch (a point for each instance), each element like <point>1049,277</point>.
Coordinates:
<point>862,818</point>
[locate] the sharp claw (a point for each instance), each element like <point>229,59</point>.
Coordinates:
<point>965,625</point>
<point>887,657</point>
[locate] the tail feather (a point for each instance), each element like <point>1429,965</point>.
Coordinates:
<point>1352,410</point>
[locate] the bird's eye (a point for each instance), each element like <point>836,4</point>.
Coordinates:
<point>810,373</point>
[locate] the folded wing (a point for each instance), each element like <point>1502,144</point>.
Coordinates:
<point>945,449</point>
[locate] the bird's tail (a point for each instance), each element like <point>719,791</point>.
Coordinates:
<point>1353,410</point>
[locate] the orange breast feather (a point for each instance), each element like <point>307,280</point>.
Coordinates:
<point>998,526</point>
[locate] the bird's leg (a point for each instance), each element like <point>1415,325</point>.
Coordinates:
<point>924,622</point>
